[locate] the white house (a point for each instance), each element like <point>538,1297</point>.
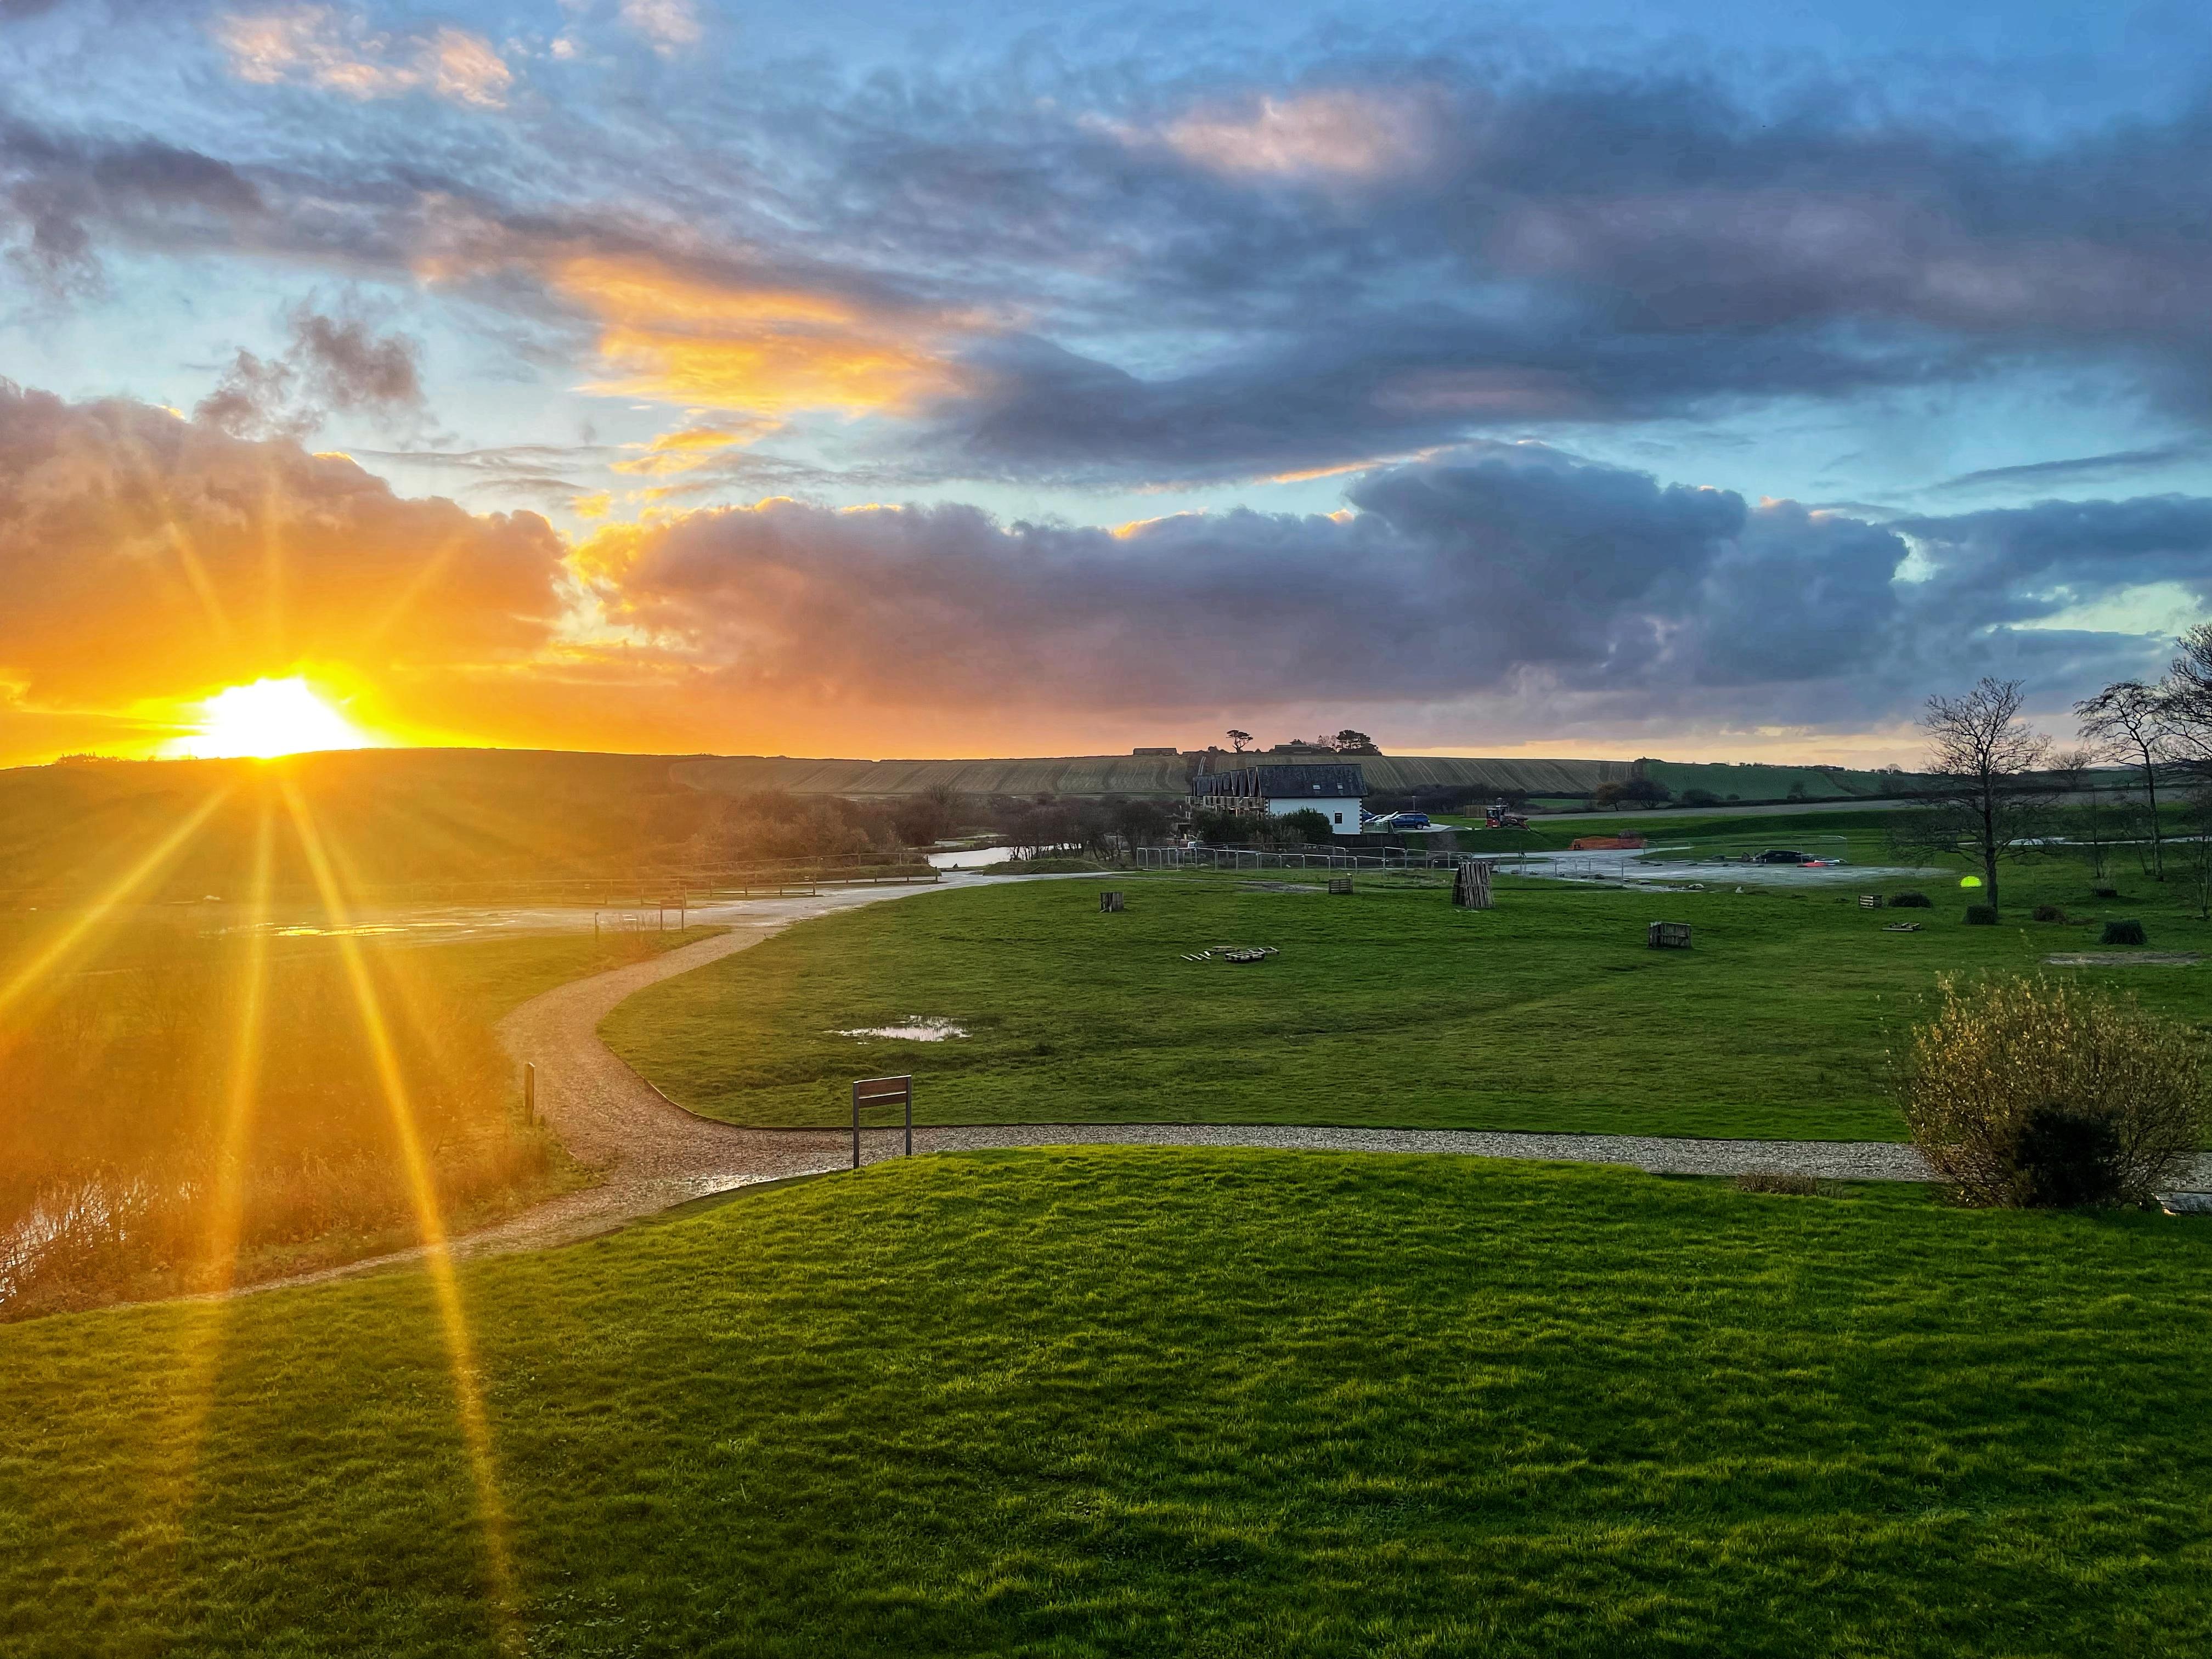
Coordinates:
<point>1334,792</point>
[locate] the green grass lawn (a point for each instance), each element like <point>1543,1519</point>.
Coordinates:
<point>1135,1402</point>
<point>1386,1007</point>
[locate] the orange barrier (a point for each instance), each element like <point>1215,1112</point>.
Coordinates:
<point>1605,844</point>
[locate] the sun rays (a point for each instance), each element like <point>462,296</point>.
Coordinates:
<point>437,1261</point>
<point>284,814</point>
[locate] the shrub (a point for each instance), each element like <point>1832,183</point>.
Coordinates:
<point>1767,1180</point>
<point>2124,932</point>
<point>1981,915</point>
<point>2035,1093</point>
<point>1911,902</point>
<point>2050,913</point>
<point>2105,892</point>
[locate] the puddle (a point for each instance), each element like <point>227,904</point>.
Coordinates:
<point>917,1028</point>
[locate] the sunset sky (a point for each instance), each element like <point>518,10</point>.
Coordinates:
<point>857,378</point>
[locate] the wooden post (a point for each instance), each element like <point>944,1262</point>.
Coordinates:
<point>1109,902</point>
<point>529,1093</point>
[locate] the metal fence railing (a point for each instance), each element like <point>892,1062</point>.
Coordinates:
<point>1242,858</point>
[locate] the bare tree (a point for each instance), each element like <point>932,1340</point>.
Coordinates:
<point>1983,801</point>
<point>2128,722</point>
<point>2198,863</point>
<point>2089,819</point>
<point>2185,703</point>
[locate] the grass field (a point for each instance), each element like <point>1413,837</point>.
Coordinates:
<point>134,1163</point>
<point>1385,1007</point>
<point>1121,1402</point>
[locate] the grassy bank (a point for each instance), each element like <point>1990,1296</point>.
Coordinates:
<point>1384,1007</point>
<point>180,1110</point>
<point>1109,1402</point>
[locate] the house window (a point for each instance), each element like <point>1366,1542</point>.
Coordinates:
<point>1340,817</point>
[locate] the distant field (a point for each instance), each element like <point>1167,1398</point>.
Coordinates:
<point>1385,1007</point>
<point>1132,1403</point>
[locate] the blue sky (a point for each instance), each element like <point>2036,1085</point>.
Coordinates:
<point>1603,379</point>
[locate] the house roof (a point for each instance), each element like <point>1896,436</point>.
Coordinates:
<point>1283,782</point>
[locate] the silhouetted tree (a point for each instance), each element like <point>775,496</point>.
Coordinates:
<point>2127,721</point>
<point>1237,739</point>
<point>2186,704</point>
<point>1982,800</point>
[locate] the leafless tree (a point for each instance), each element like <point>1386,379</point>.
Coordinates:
<point>2128,722</point>
<point>1984,800</point>
<point>2186,700</point>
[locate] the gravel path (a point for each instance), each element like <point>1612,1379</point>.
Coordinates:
<point>654,1155</point>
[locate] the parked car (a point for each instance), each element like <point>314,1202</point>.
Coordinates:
<point>1406,821</point>
<point>1780,855</point>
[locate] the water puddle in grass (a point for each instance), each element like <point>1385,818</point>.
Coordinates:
<point>918,1028</point>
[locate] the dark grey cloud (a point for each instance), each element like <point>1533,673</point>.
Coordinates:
<point>333,363</point>
<point>1492,573</point>
<point>57,190</point>
<point>1138,278</point>
<point>2078,469</point>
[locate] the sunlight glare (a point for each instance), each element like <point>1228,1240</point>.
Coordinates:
<point>267,719</point>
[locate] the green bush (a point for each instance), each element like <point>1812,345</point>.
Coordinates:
<point>2105,892</point>
<point>2124,932</point>
<point>2050,913</point>
<point>1307,824</point>
<point>2038,1092</point>
<point>1911,902</point>
<point>1981,915</point>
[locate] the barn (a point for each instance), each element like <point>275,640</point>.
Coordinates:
<point>1335,792</point>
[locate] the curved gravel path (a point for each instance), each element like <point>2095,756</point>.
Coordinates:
<point>654,1155</point>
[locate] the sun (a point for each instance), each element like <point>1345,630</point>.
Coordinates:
<point>266,719</point>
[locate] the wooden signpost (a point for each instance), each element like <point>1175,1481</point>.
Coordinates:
<point>882,1091</point>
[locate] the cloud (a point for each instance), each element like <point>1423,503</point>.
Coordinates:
<point>56,188</point>
<point>682,451</point>
<point>317,46</point>
<point>737,340</point>
<point>2078,469</point>
<point>1362,136</point>
<point>1494,588</point>
<point>147,556</point>
<point>668,24</point>
<point>334,363</point>
<point>1499,576</point>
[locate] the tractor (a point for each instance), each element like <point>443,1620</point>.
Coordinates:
<point>1498,816</point>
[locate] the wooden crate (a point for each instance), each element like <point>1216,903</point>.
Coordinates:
<point>1109,902</point>
<point>1668,936</point>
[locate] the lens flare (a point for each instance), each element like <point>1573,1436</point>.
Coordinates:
<point>430,1226</point>
<point>267,719</point>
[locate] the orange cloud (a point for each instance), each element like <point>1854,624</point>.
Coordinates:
<point>314,45</point>
<point>680,452</point>
<point>769,348</point>
<point>150,561</point>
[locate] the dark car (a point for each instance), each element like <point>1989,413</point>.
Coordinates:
<point>1778,856</point>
